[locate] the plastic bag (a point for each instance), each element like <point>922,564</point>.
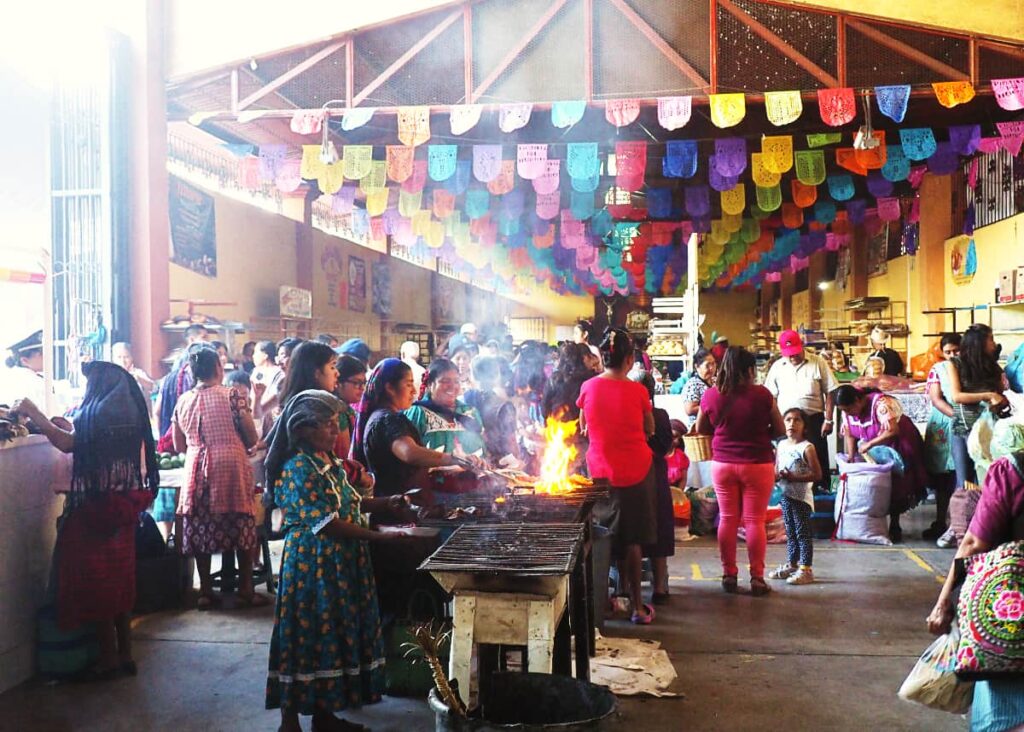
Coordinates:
<point>979,443</point>
<point>932,681</point>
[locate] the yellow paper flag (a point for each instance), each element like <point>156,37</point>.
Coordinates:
<point>762,176</point>
<point>413,125</point>
<point>952,93</point>
<point>377,202</point>
<point>727,110</point>
<point>311,165</point>
<point>358,160</point>
<point>331,178</point>
<point>734,201</point>
<point>783,107</point>
<point>777,153</point>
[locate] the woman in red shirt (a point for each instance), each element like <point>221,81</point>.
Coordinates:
<point>615,413</point>
<point>743,418</point>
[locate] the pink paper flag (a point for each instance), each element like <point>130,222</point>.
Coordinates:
<point>531,160</point>
<point>1010,129</point>
<point>989,145</point>
<point>621,112</point>
<point>674,112</point>
<point>1012,144</point>
<point>305,122</point>
<point>548,181</point>
<point>888,209</point>
<point>548,206</point>
<point>1009,93</point>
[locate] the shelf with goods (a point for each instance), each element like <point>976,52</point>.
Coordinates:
<point>221,330</point>
<point>673,338</point>
<point>865,314</point>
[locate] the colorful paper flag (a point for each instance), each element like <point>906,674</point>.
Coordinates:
<point>413,125</point>
<point>952,93</point>
<point>727,110</point>
<point>783,107</point>
<point>1009,93</point>
<point>837,106</point>
<point>621,112</point>
<point>674,112</point>
<point>464,117</point>
<point>892,100</point>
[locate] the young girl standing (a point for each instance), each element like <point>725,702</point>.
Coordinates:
<point>796,470</point>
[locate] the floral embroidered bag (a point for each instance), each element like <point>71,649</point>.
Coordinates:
<point>990,610</point>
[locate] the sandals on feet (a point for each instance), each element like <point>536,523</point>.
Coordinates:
<point>660,598</point>
<point>253,600</point>
<point>207,602</point>
<point>730,583</point>
<point>758,587</point>
<point>647,619</point>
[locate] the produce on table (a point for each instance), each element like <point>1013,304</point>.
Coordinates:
<point>170,461</point>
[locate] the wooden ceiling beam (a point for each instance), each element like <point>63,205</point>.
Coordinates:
<point>661,44</point>
<point>908,52</point>
<point>290,74</point>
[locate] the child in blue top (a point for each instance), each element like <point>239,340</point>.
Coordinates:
<point>796,470</point>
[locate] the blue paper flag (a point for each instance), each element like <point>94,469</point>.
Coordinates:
<point>478,202</point>
<point>824,212</point>
<point>566,114</point>
<point>896,167</point>
<point>945,160</point>
<point>582,205</point>
<point>586,185</point>
<point>659,203</point>
<point>698,201</point>
<point>892,100</point>
<point>581,160</point>
<point>840,187</point>
<point>459,182</point>
<point>878,186</point>
<point>680,159</point>
<point>918,142</point>
<point>965,138</point>
<point>855,209</point>
<point>441,161</point>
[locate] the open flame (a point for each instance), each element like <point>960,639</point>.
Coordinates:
<point>559,455</point>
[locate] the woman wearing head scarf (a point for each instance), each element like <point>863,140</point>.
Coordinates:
<point>95,553</point>
<point>214,428</point>
<point>386,441</point>
<point>326,653</point>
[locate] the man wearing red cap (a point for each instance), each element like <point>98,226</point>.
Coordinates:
<point>805,381</point>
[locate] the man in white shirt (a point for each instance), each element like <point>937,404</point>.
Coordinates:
<point>805,381</point>
<point>409,352</point>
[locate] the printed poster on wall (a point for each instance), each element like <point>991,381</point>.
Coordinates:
<point>443,295</point>
<point>356,285</point>
<point>332,263</point>
<point>381,288</point>
<point>963,260</point>
<point>193,229</point>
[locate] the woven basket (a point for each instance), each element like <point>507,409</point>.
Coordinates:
<point>698,447</point>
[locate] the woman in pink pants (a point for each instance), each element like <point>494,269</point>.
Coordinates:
<point>743,419</point>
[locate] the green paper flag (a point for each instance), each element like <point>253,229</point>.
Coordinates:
<point>824,138</point>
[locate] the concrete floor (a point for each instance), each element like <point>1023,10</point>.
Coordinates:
<point>825,656</point>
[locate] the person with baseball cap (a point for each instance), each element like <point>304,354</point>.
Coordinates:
<point>805,381</point>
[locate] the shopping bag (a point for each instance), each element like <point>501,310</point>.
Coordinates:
<point>933,682</point>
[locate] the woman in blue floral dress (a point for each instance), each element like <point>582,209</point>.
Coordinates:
<point>326,653</point>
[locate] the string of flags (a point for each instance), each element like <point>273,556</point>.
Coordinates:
<point>836,107</point>
<point>761,205</point>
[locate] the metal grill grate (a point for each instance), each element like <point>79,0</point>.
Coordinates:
<point>517,549</point>
<point>746,62</point>
<point>1000,62</point>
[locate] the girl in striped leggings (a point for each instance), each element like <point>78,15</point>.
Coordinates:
<point>796,470</point>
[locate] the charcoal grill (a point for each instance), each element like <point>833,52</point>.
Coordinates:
<point>511,586</point>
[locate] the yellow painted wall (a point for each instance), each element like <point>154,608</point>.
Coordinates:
<point>730,314</point>
<point>996,18</point>
<point>255,256</point>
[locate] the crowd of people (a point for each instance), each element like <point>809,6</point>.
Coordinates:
<point>353,443</point>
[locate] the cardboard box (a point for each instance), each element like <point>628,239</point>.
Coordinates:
<point>1020,284</point>
<point>1008,285</point>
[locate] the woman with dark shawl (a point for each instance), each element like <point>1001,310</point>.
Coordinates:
<point>95,554</point>
<point>326,653</point>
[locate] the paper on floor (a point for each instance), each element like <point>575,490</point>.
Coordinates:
<point>630,666</point>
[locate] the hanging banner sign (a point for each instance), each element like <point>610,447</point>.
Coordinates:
<point>586,185</point>
<point>888,209</point>
<point>892,101</point>
<point>343,200</point>
<point>332,177</point>
<point>810,167</point>
<point>674,112</point>
<point>306,123</point>
<point>377,202</point>
<point>965,138</point>
<point>821,139</point>
<point>727,110</point>
<point>486,162</point>
<point>680,159</point>
<point>441,161</point>
<point>418,179</point>
<point>459,182</point>
<point>630,164</point>
<point>478,203</point>
<point>358,159</point>
<point>582,205</point>
<point>400,162</point>
<point>730,156</point>
<point>718,181</point>
<point>409,202</point>
<point>792,215</point>
<point>413,125</point>
<point>1009,93</point>
<point>311,166</point>
<point>464,117</point>
<point>824,212</point>
<point>777,153</point>
<point>945,161</point>
<point>621,112</point>
<point>837,106</point>
<point>783,107</point>
<point>531,160</point>
<point>566,114</point>
<point>761,175</point>
<point>659,203</point>
<point>878,186</point>
<point>549,180</point>
<point>512,117</point>
<point>918,142</point>
<point>582,160</point>
<point>952,93</point>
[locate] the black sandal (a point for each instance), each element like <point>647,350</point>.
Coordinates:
<point>660,598</point>
<point>730,583</point>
